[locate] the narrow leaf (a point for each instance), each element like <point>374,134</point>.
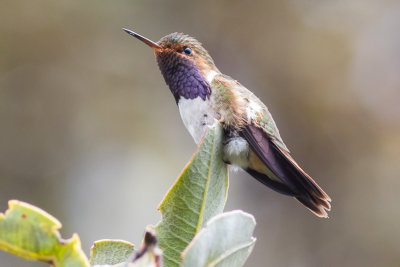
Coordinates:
<point>198,194</point>
<point>226,241</point>
<point>110,252</point>
<point>31,233</point>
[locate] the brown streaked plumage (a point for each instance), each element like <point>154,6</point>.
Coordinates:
<point>230,105</point>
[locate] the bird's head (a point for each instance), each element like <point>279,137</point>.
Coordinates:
<point>184,63</point>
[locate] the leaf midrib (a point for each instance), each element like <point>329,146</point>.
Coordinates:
<point>228,253</point>
<point>207,184</point>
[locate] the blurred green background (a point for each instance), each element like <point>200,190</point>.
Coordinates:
<point>90,132</point>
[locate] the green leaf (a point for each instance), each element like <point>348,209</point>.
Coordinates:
<point>110,252</point>
<point>226,241</point>
<point>31,233</point>
<point>198,194</point>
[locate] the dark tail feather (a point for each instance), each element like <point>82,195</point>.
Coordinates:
<point>274,185</point>
<point>295,181</point>
<point>311,195</point>
<point>317,205</point>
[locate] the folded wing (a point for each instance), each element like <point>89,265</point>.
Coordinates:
<point>292,180</point>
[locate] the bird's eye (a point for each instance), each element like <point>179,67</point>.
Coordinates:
<point>187,50</point>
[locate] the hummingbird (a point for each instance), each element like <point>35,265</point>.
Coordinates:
<point>251,139</point>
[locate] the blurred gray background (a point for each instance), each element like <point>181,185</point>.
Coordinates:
<point>90,132</point>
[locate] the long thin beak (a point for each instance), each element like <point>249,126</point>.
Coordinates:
<point>143,39</point>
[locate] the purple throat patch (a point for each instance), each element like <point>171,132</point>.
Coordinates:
<point>183,77</point>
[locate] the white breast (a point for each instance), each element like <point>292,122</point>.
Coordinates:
<point>196,116</point>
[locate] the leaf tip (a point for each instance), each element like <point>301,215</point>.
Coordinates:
<point>13,203</point>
